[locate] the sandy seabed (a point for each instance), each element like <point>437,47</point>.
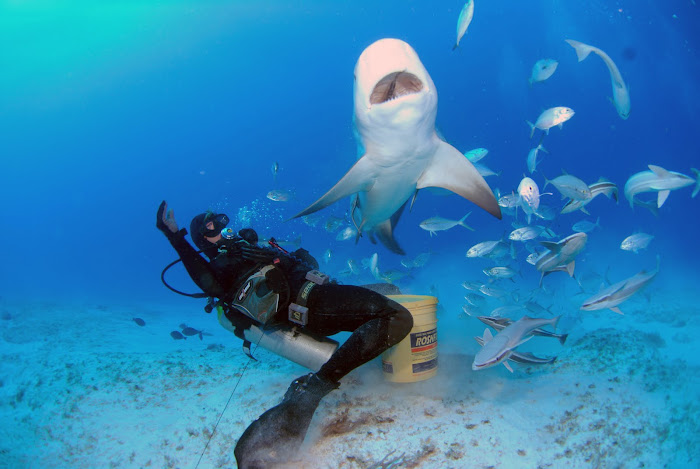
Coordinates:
<point>85,386</point>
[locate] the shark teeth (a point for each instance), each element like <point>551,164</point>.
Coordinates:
<point>395,85</point>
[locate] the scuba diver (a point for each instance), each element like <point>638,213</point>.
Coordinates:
<point>263,288</point>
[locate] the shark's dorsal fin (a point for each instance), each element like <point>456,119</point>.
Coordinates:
<point>554,247</point>
<point>450,170</point>
<point>359,178</point>
<point>487,335</point>
<point>659,171</point>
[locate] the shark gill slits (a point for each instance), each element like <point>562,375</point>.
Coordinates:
<point>395,85</point>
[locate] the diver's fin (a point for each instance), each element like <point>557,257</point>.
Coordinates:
<point>275,437</point>
<point>450,170</point>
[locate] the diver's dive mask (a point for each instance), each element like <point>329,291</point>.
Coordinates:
<point>219,220</point>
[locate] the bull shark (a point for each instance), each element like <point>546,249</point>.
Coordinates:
<point>619,292</point>
<point>561,254</point>
<point>497,349</point>
<point>400,152</point>
<point>657,179</point>
<point>621,95</point>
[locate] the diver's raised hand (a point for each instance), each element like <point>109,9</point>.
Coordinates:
<point>165,220</point>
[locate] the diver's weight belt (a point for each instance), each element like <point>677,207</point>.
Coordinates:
<point>298,312</point>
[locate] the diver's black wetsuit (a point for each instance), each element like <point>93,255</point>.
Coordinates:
<point>377,323</point>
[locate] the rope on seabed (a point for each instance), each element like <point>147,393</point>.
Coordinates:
<point>250,359</point>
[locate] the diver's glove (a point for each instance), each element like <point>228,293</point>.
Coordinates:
<point>165,220</point>
<point>257,254</point>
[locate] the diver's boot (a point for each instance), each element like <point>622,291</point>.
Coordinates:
<point>278,433</point>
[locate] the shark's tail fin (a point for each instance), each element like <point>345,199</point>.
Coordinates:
<point>697,182</point>
<point>582,50</point>
<point>562,338</point>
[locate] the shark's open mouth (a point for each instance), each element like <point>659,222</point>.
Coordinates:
<point>395,85</point>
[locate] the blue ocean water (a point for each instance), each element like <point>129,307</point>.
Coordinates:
<point>107,109</point>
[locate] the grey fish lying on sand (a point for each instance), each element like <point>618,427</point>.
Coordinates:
<point>524,358</point>
<point>500,323</point>
<point>497,349</point>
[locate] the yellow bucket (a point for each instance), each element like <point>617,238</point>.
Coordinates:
<point>415,357</point>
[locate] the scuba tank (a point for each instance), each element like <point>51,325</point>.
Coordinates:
<point>302,347</point>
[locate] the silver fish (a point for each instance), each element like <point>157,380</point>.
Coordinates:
<point>476,154</point>
<point>482,249</point>
<point>465,18</point>
<point>472,286</point>
<point>570,186</point>
<point>509,200</point>
<point>495,292</point>
<point>279,195</point>
<point>500,272</point>
<point>435,224</point>
<point>507,310</point>
<point>475,300</point>
<point>550,118</point>
<point>532,158</point>
<point>526,233</point>
<point>485,171</point>
<point>636,242</point>
<point>602,187</point>
<point>529,196</point>
<point>543,69</point>
<point>585,226</point>
<point>348,233</point>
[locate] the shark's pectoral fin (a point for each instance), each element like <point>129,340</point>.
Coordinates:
<point>450,170</point>
<point>507,365</point>
<point>617,310</point>
<point>663,195</point>
<point>360,177</point>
